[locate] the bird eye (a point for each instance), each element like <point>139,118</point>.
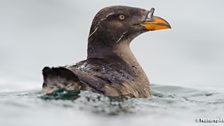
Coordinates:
<point>121,17</point>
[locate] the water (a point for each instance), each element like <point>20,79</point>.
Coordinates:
<point>169,105</point>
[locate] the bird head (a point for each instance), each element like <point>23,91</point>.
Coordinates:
<point>119,24</point>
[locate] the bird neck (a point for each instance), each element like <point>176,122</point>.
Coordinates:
<point>122,52</point>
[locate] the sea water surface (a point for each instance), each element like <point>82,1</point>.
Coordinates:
<point>169,105</point>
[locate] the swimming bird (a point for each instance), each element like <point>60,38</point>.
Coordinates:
<point>110,68</point>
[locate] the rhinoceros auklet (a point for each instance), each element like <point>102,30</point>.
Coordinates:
<point>110,67</point>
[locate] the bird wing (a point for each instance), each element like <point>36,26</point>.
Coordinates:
<point>104,78</point>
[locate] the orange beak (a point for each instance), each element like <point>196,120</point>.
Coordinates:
<point>157,23</point>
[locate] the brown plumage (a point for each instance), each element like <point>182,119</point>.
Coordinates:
<point>110,67</point>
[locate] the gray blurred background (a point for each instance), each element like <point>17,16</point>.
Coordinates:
<point>38,33</point>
